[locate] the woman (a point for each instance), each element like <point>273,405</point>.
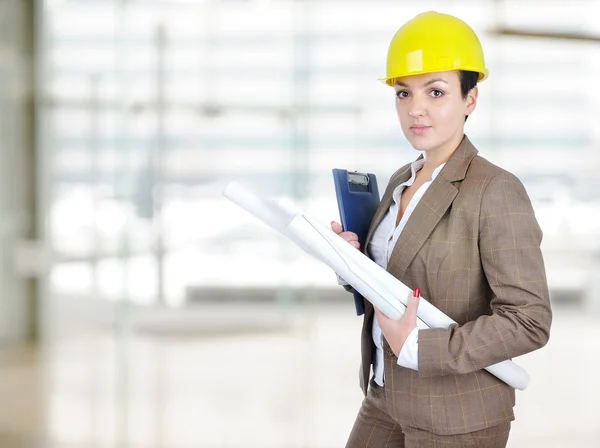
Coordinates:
<point>463,231</point>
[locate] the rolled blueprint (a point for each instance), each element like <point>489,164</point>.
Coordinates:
<point>382,289</point>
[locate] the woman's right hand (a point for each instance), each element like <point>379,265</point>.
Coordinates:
<point>351,237</point>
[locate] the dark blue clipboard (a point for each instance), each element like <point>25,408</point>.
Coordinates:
<point>357,197</point>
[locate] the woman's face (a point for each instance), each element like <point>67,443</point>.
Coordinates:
<point>432,110</point>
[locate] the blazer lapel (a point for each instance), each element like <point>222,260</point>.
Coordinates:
<point>386,201</point>
<point>399,177</point>
<point>432,206</point>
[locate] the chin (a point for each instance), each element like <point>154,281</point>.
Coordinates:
<point>420,144</point>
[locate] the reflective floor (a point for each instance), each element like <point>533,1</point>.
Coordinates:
<point>209,378</point>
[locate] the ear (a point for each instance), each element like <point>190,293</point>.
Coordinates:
<point>471,100</point>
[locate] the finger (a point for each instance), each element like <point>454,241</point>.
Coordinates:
<point>336,227</point>
<point>349,236</point>
<point>355,244</point>
<point>412,307</point>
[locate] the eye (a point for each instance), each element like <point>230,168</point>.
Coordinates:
<point>436,93</point>
<point>401,94</point>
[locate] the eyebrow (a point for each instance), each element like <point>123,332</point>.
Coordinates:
<point>428,83</point>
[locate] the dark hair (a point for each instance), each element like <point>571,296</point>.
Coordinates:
<point>468,80</point>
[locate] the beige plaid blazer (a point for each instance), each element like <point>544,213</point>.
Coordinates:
<point>472,245</point>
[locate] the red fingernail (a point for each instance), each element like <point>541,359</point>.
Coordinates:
<point>416,292</point>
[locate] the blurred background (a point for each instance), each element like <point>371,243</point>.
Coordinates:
<point>139,308</point>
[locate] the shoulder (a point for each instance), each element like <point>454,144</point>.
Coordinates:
<point>498,188</point>
<point>492,177</point>
<point>485,171</point>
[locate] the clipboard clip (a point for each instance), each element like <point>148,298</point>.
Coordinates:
<point>358,179</point>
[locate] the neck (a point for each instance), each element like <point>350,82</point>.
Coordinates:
<point>436,156</point>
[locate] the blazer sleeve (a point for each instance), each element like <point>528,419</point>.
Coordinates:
<point>511,259</point>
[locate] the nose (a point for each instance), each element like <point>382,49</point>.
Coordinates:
<point>417,107</point>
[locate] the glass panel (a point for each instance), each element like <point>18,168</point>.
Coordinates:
<point>167,305</point>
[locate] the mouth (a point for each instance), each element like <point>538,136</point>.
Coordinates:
<point>420,129</point>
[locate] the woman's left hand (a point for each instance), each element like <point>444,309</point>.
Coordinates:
<point>397,331</point>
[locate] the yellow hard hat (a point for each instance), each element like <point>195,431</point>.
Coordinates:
<point>434,42</point>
